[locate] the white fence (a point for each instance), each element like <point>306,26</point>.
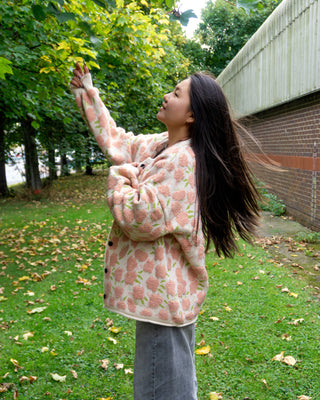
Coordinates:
<point>279,63</point>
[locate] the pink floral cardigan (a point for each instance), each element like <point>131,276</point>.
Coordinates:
<point>154,260</point>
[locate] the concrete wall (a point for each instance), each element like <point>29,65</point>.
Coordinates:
<point>279,63</point>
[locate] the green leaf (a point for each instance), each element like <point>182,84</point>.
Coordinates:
<point>248,5</point>
<point>63,17</point>
<point>170,3</point>
<point>39,12</point>
<point>35,125</point>
<point>4,67</point>
<point>184,17</point>
<point>100,3</point>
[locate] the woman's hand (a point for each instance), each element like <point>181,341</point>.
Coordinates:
<point>78,73</point>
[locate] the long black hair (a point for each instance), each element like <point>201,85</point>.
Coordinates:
<point>227,197</point>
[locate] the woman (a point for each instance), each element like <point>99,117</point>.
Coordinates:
<point>170,194</point>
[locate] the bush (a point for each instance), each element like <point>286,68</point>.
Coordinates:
<point>270,202</point>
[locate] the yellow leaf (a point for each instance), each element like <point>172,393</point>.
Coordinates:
<point>36,310</point>
<point>215,395</point>
<point>239,283</point>
<point>203,350</point>
<point>214,318</point>
<point>15,363</point>
<point>105,398</point>
<point>47,70</point>
<point>304,397</point>
<point>144,3</point>
<point>118,366</point>
<point>114,329</point>
<point>286,337</point>
<point>295,295</point>
<point>29,293</point>
<point>2,298</point>
<point>58,378</point>
<point>44,349</point>
<point>112,340</point>
<point>28,379</point>
<point>278,357</point>
<point>227,308</point>
<point>27,335</point>
<point>53,352</point>
<point>74,374</point>
<point>24,278</point>
<point>68,333</point>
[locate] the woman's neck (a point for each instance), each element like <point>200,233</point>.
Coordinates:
<point>176,136</point>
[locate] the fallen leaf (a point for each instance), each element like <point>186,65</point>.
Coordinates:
<point>58,378</point>
<point>289,360</point>
<point>28,379</point>
<point>203,350</point>
<point>286,337</point>
<point>295,295</point>
<point>68,333</point>
<point>214,318</point>
<point>36,310</point>
<point>104,363</point>
<point>227,308</point>
<point>2,298</point>
<point>44,349</point>
<point>265,383</point>
<point>128,371</point>
<point>118,366</point>
<point>114,341</point>
<point>296,322</point>
<point>278,357</point>
<point>74,374</point>
<point>29,293</point>
<point>239,283</point>
<point>304,397</point>
<point>215,395</point>
<point>27,335</point>
<point>114,329</point>
<point>16,364</point>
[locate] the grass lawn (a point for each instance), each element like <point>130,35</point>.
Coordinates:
<point>259,329</point>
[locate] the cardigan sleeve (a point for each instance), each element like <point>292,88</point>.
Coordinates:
<point>150,204</point>
<point>117,145</point>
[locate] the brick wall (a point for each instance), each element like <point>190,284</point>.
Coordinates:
<point>290,135</point>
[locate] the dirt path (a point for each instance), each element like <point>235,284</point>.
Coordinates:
<point>279,236</point>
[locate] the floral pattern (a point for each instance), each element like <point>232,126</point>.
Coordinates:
<point>155,259</point>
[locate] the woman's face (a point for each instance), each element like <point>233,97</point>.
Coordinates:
<point>175,112</point>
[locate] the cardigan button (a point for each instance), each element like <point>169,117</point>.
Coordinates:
<point>106,270</point>
<point>110,243</point>
<point>142,165</point>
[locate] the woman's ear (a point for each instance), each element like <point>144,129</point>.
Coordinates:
<point>190,118</point>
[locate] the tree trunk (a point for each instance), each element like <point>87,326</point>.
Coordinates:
<point>31,156</point>
<point>4,191</point>
<point>52,164</point>
<point>78,160</point>
<point>64,165</point>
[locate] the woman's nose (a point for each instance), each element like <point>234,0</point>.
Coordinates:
<point>166,97</point>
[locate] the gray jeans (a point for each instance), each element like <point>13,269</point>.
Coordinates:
<point>164,367</point>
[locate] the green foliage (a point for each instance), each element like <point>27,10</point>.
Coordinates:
<point>310,237</point>
<point>224,30</point>
<point>270,202</point>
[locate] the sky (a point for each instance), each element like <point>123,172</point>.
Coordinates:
<point>196,6</point>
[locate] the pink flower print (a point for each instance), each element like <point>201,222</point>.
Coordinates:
<point>130,277</point>
<point>148,266</point>
<point>182,218</point>
<point>175,254</point>
<point>79,101</point>
<point>146,312</point>
<point>190,316</point>
<point>111,183</point>
<point>191,197</point>
<point>156,214</point>
<point>141,255</point>
<point>90,114</point>
<point>171,166</point>
<point>131,306</point>
<point>164,190</point>
<point>201,296</point>
<point>179,195</point>
<point>112,302</point>
<point>171,288</point>
<point>163,314</point>
<point>191,180</point>
<point>108,288</point>
<point>131,263</point>
<point>159,253</point>
<point>118,274</point>
<point>179,275</point>
<point>192,276</point>
<point>124,251</point>
<point>103,121</point>
<point>145,228</point>
<point>161,271</point>
<point>186,245</point>
<point>152,283</point>
<point>121,305</point>
<point>178,319</point>
<point>118,291</point>
<point>173,306</point>
<point>182,288</point>
<point>113,260</point>
<point>128,215</point>
<point>91,92</point>
<point>155,300</point>
<point>193,287</point>
<point>87,99</point>
<point>176,208</point>
<point>201,253</point>
<point>159,177</point>
<point>138,292</point>
<point>118,159</point>
<point>141,215</point>
<point>183,160</point>
<point>185,304</point>
<point>178,174</point>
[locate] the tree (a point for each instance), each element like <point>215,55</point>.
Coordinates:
<point>223,31</point>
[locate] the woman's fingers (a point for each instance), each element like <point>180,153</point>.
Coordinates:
<point>85,68</point>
